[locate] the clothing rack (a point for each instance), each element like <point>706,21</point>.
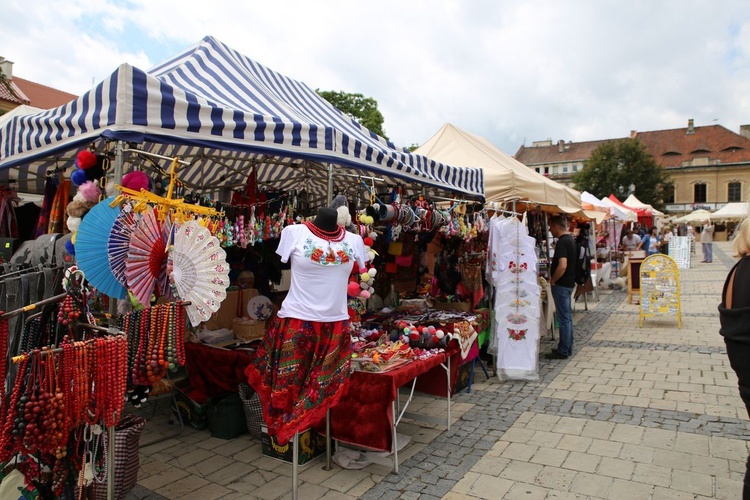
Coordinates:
<point>39,267</point>
<point>31,307</point>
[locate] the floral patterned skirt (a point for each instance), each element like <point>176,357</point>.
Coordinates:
<point>300,370</point>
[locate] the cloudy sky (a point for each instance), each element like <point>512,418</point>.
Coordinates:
<point>511,71</point>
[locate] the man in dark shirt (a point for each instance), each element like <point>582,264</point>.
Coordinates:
<point>563,280</point>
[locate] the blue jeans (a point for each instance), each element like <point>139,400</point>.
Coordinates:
<point>708,252</point>
<point>562,296</point>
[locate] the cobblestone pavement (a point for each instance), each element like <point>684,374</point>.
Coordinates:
<point>649,413</point>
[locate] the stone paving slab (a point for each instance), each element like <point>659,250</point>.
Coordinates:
<point>648,413</point>
<point>545,455</point>
<point>696,330</point>
<point>689,382</point>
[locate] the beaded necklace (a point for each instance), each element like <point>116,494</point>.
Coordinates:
<point>332,236</point>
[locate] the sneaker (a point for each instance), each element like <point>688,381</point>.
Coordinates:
<point>555,355</point>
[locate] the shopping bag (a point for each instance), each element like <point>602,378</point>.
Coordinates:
<point>253,411</point>
<point>127,435</point>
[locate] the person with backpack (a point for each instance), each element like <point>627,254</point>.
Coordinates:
<point>564,265</point>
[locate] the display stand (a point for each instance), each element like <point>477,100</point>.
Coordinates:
<point>659,288</point>
<point>679,251</point>
<point>634,282</point>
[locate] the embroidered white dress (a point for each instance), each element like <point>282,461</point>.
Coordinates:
<point>512,268</point>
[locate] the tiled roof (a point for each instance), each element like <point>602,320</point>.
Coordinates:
<point>41,96</point>
<point>571,151</point>
<point>10,92</point>
<point>670,148</point>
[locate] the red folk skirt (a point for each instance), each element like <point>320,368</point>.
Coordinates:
<point>300,370</point>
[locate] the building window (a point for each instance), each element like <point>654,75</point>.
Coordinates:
<point>575,168</point>
<point>734,193</point>
<point>699,193</point>
<point>537,170</point>
<point>669,193</point>
<point>546,170</point>
<point>565,169</point>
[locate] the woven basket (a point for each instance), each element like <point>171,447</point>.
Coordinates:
<point>248,329</point>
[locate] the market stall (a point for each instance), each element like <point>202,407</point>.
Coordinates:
<point>228,154</point>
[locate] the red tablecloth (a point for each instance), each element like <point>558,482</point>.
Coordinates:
<point>364,416</point>
<point>213,371</point>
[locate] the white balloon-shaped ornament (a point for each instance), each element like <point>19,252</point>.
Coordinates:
<point>372,272</point>
<point>370,256</point>
<point>363,285</point>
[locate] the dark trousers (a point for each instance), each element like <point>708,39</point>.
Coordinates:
<point>739,359</point>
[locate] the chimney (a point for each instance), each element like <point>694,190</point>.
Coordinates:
<point>745,131</point>
<point>633,134</point>
<point>560,146</point>
<point>691,128</point>
<point>6,68</point>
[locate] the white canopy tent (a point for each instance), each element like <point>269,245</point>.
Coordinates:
<point>225,115</point>
<point>634,202</point>
<point>731,211</point>
<point>620,212</point>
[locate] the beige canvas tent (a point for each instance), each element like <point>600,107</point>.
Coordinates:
<point>731,211</point>
<point>505,178</point>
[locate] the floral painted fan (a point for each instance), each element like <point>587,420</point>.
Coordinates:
<point>147,258</point>
<point>198,270</point>
<point>118,243</point>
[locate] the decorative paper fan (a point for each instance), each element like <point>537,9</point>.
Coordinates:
<point>162,281</point>
<point>118,242</point>
<point>147,258</point>
<point>260,308</point>
<point>91,248</point>
<point>198,270</point>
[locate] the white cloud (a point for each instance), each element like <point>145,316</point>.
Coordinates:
<point>510,71</point>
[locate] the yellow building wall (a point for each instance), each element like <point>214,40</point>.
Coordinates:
<point>717,183</point>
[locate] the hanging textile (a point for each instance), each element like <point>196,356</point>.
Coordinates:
<point>512,269</point>
<point>57,214</point>
<point>50,190</point>
<point>8,223</point>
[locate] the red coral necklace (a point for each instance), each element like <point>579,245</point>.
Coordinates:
<point>333,236</point>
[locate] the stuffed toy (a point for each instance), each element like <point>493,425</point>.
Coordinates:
<point>341,206</point>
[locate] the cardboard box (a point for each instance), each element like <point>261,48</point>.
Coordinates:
<point>193,412</point>
<point>311,446</point>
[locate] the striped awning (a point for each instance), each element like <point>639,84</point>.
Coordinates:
<point>224,114</point>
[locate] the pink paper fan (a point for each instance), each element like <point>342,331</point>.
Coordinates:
<point>147,258</point>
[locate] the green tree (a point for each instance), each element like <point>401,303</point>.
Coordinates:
<point>616,165</point>
<point>363,109</point>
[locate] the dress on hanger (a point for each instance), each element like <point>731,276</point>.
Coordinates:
<point>302,366</point>
<point>512,270</point>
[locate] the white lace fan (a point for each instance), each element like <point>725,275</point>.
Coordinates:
<point>198,270</point>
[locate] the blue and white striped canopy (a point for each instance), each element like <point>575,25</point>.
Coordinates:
<point>224,114</point>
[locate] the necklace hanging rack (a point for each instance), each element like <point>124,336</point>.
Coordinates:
<point>175,207</point>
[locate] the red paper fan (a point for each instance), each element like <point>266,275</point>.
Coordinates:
<point>147,258</point>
